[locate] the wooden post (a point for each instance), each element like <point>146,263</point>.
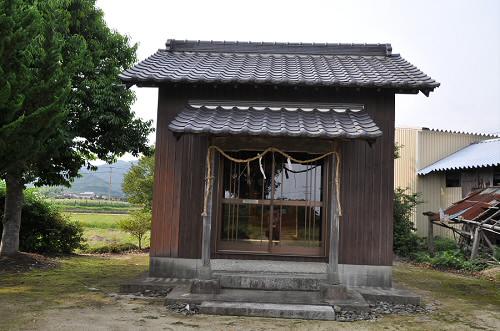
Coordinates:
<point>333,256</point>
<point>475,243</point>
<point>206,270</point>
<point>430,232</point>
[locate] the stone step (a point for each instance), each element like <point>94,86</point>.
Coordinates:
<point>312,312</point>
<point>355,302</point>
<point>270,281</point>
<point>267,296</point>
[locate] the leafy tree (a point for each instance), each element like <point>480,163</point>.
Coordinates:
<point>138,182</point>
<point>61,103</point>
<point>137,224</point>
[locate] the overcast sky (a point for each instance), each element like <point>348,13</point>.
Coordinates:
<point>455,42</point>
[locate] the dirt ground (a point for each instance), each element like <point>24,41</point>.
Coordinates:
<point>126,314</point>
<point>80,294</point>
<point>23,262</point>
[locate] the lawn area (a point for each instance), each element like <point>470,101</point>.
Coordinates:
<point>79,292</point>
<point>102,229</point>
<point>98,221</point>
<point>79,281</point>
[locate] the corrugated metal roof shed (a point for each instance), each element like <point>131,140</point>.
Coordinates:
<point>475,204</point>
<point>339,65</point>
<point>275,119</point>
<point>485,153</point>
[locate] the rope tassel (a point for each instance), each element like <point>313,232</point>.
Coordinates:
<point>261,169</point>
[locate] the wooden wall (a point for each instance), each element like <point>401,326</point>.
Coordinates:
<point>178,185</point>
<point>367,192</point>
<point>367,174</point>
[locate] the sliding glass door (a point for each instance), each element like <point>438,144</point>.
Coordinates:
<point>271,207</point>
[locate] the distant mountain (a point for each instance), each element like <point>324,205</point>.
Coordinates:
<point>99,181</point>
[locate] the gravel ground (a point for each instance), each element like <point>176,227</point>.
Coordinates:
<point>382,308</point>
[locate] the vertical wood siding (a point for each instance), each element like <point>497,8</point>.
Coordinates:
<point>367,176</point>
<point>367,192</point>
<point>178,185</point>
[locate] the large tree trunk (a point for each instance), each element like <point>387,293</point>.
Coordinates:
<point>12,214</point>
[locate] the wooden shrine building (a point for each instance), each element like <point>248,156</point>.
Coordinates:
<point>275,157</point>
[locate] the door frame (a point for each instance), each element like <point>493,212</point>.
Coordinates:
<point>241,248</point>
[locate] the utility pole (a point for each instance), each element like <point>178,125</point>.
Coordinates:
<point>109,186</point>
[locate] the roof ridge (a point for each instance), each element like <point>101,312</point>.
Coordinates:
<point>483,134</point>
<point>382,49</point>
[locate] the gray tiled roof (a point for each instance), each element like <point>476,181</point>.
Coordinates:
<point>275,119</point>
<point>342,65</point>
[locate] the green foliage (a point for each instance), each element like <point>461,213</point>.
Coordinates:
<point>99,121</point>
<point>138,182</point>
<point>406,241</point>
<point>444,244</point>
<point>44,229</point>
<point>138,224</point>
<point>448,256</point>
<point>397,151</point>
<point>61,101</point>
<point>113,248</point>
<point>35,76</point>
<point>91,206</point>
<point>455,259</point>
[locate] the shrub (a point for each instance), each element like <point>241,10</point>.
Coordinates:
<point>455,259</point>
<point>444,244</point>
<point>138,224</point>
<point>406,241</point>
<point>112,248</point>
<point>43,228</point>
<point>421,257</point>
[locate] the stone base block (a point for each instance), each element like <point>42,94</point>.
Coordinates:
<point>205,286</point>
<point>333,291</point>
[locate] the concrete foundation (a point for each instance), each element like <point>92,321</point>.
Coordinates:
<point>333,292</point>
<point>205,286</point>
<point>350,275</point>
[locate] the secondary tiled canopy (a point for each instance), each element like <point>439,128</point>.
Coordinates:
<point>275,119</point>
<point>340,65</point>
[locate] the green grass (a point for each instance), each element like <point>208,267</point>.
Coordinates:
<point>65,286</point>
<point>98,221</point>
<point>463,302</point>
<point>102,229</point>
<point>444,285</point>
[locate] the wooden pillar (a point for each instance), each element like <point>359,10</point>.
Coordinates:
<point>430,232</point>
<point>475,243</point>
<point>333,255</point>
<point>206,270</point>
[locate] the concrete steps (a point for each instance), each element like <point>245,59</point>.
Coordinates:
<point>270,281</point>
<point>266,296</point>
<point>311,312</point>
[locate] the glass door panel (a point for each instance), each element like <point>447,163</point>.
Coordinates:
<point>279,214</point>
